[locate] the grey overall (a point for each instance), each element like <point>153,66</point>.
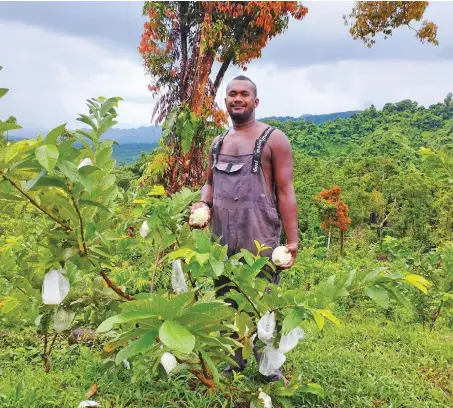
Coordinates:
<point>244,209</point>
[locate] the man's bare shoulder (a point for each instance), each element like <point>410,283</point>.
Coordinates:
<point>279,142</point>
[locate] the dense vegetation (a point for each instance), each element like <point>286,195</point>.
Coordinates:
<point>393,347</point>
<point>130,152</point>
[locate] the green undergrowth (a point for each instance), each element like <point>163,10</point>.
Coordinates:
<point>366,362</point>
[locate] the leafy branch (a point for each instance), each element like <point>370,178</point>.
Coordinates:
<point>36,204</point>
<point>81,223</point>
<point>112,286</point>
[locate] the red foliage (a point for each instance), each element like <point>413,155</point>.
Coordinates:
<point>333,210</point>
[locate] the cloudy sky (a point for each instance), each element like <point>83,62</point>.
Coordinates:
<point>57,54</point>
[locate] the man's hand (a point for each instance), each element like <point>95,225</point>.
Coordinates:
<point>200,205</point>
<point>292,249</point>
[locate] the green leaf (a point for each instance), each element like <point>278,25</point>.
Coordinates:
<point>398,296</point>
<point>313,388</point>
<point>177,337</point>
<point>217,266</point>
<point>94,204</point>
<point>88,176</point>
<point>49,181</point>
<point>126,317</point>
<point>177,304</point>
<point>5,126</point>
<point>18,148</point>
<point>285,402</point>
<point>65,146</point>
<point>379,295</point>
<point>248,257</point>
<point>9,197</point>
<point>169,123</point>
<point>138,346</point>
<point>69,169</point>
<point>83,133</point>
<point>3,92</point>
<point>47,156</point>
<point>103,155</point>
<point>87,120</point>
<point>257,266</point>
<point>375,272</point>
<point>247,350</point>
<point>292,320</point>
<point>180,122</point>
<point>187,134</point>
<point>202,241</point>
<point>243,321</point>
<point>107,105</point>
<point>30,183</point>
<point>52,136</point>
<point>212,367</point>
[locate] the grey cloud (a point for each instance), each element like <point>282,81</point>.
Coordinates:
<point>321,37</point>
<point>116,24</point>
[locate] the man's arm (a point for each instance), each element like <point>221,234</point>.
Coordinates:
<point>206,191</point>
<point>282,165</point>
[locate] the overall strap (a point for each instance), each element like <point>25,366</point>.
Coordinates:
<point>259,145</point>
<point>216,148</point>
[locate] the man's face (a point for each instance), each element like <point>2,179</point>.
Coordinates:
<point>241,100</point>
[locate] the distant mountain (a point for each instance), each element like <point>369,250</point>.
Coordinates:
<point>143,134</point>
<point>318,119</point>
<point>151,134</point>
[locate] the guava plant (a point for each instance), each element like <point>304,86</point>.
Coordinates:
<point>67,268</point>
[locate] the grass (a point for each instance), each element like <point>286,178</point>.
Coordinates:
<point>367,362</point>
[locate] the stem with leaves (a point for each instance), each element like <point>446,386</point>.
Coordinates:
<point>151,286</point>
<point>35,203</point>
<point>114,288</point>
<point>248,299</point>
<point>82,226</point>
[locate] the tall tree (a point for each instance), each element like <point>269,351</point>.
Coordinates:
<point>183,40</point>
<point>179,46</point>
<point>333,212</point>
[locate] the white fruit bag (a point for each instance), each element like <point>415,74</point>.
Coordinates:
<point>290,340</point>
<point>62,320</point>
<point>266,400</point>
<point>85,162</point>
<point>55,287</point>
<point>266,327</point>
<point>144,229</point>
<point>178,282</point>
<point>271,360</point>
<point>88,403</point>
<point>169,362</point>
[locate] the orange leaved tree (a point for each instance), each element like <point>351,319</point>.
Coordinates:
<point>333,212</point>
<point>180,45</point>
<point>369,18</point>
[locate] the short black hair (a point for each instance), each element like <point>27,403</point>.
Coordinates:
<point>244,78</point>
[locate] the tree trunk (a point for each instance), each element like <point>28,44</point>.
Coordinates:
<point>328,239</point>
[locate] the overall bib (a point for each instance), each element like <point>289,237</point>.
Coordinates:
<point>244,209</point>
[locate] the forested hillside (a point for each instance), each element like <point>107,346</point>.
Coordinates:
<point>374,156</point>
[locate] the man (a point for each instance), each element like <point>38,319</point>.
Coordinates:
<point>249,188</point>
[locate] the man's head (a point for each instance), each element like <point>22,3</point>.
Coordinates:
<point>241,99</point>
